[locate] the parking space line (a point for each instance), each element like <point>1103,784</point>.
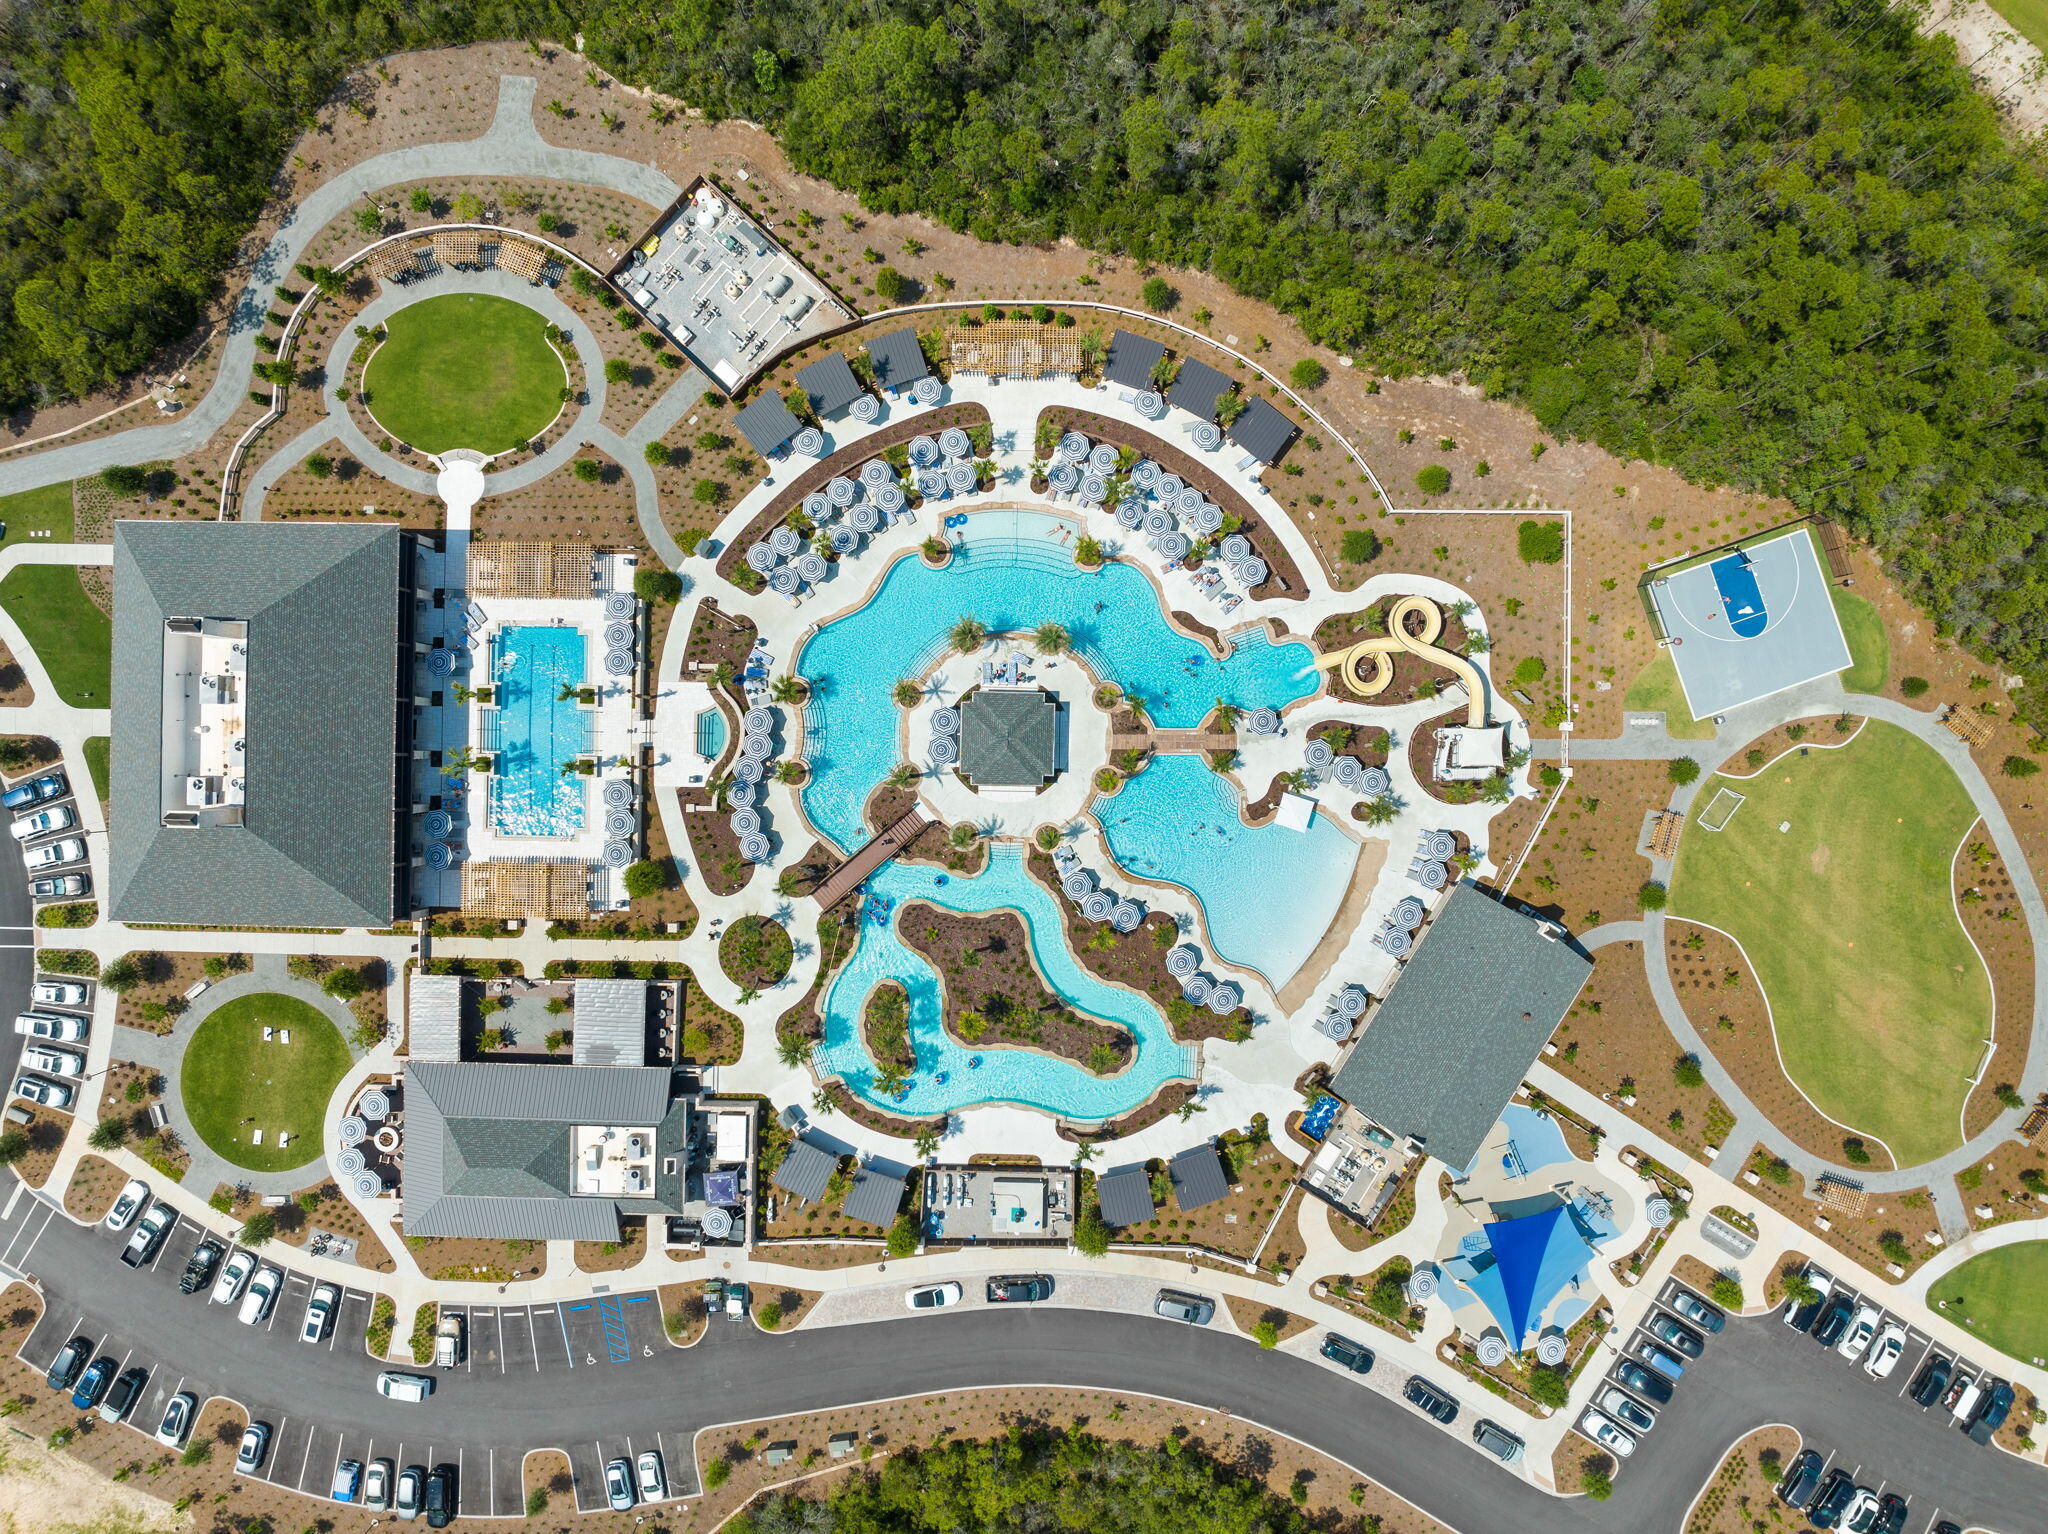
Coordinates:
<point>305,1459</point>
<point>533,1338</point>
<point>568,1351</point>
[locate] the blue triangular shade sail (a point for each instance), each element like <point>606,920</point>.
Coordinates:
<point>1532,1259</point>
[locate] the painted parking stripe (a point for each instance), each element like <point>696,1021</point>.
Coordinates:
<point>568,1351</point>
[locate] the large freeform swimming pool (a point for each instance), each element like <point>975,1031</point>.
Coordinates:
<point>537,731</point>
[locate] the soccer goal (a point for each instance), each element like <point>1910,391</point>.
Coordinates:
<point>1721,809</point>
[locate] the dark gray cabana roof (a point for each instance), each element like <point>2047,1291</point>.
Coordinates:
<point>1467,1016</point>
<point>767,423</point>
<point>830,385</point>
<point>1125,1196</point>
<point>1262,431</point>
<point>1009,738</point>
<point>1131,360</point>
<point>898,358</point>
<point>1196,389</point>
<point>804,1170</point>
<point>318,842</point>
<point>1197,1177</point>
<point>876,1195</point>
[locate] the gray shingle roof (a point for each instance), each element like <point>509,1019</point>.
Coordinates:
<point>1131,360</point>
<point>1125,1196</point>
<point>487,1147</point>
<point>804,1170</point>
<point>1009,737</point>
<point>875,1197</point>
<point>433,1019</point>
<point>1442,1055</point>
<point>610,1025</point>
<point>1262,431</point>
<point>829,384</point>
<point>1196,388</point>
<point>767,423</point>
<point>319,842</point>
<point>1197,1177</point>
<point>898,358</point>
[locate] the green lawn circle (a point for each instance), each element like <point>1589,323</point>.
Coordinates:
<point>230,1075</point>
<point>2002,1296</point>
<point>465,370</point>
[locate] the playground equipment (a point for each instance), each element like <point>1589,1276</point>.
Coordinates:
<point>1349,661</point>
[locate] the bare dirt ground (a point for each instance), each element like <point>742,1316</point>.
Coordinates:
<point>2005,65</point>
<point>1586,868</point>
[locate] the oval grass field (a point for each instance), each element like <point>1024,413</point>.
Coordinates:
<point>1880,1002</point>
<point>234,1083</point>
<point>465,370</point>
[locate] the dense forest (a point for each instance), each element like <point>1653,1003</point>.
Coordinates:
<point>1774,243</point>
<point>1041,1481</point>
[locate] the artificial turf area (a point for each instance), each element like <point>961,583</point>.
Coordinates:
<point>2002,1296</point>
<point>1880,1002</point>
<point>465,370</point>
<point>1656,690</point>
<point>72,637</point>
<point>235,1084</point>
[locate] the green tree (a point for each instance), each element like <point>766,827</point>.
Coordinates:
<point>1158,295</point>
<point>1540,543</point>
<point>1434,479</point>
<point>648,877</point>
<point>124,974</point>
<point>1687,1073</point>
<point>1091,1235</point>
<point>124,480</point>
<point>1308,374</point>
<point>13,1147</point>
<point>1051,639</point>
<point>657,587</point>
<point>344,982</point>
<point>967,634</point>
<point>890,285</point>
<point>1652,895</point>
<point>903,1238</point>
<point>589,470</point>
<point>1548,1387</point>
<point>258,1229</point>
<point>1358,546</point>
<point>1682,770</point>
<point>617,370</point>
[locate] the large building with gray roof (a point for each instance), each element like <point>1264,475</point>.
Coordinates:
<point>261,724</point>
<point>1442,1055</point>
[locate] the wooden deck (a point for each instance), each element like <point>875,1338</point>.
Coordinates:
<point>850,875</point>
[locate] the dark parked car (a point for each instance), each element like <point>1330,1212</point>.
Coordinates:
<point>1834,1320</point>
<point>69,1360</point>
<point>93,1383</point>
<point>1798,1484</point>
<point>1352,1355</point>
<point>1991,1416</point>
<point>1800,1317</point>
<point>1646,1383</point>
<point>1680,1338</point>
<point>1019,1289</point>
<point>1836,1493</point>
<point>1698,1311</point>
<point>1891,1515</point>
<point>441,1496</point>
<point>126,1392</point>
<point>199,1267</point>
<point>1932,1380</point>
<point>1431,1400</point>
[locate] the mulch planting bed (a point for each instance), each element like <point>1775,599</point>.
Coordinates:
<point>1586,869</point>
<point>45,1129</point>
<point>155,1005</point>
<point>613,1256</point>
<point>561,506</point>
<point>1996,924</point>
<point>1259,1177</point>
<point>1250,1314</point>
<point>986,966</point>
<point>1613,1042</point>
<point>15,691</point>
<point>94,1183</point>
<point>755,952</point>
<point>1907,1217</point>
<point>1422,760</point>
<point>1366,744</point>
<point>2006,1183</point>
<point>847,461</point>
<point>129,1091</point>
<point>1286,578</point>
<point>714,845</point>
<point>329,1212</point>
<point>468,1259</point>
<point>350,491</point>
<point>1740,1496</point>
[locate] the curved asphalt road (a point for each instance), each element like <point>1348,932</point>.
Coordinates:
<point>1755,1373</point>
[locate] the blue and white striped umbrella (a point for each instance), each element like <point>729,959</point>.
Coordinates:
<point>875,474</point>
<point>618,794</point>
<point>440,663</point>
<point>841,491</point>
<point>758,720</point>
<point>1207,436</point>
<point>1252,572</point>
<point>755,849</point>
<point>810,442</point>
<point>1166,487</point>
<point>1408,911</point>
<point>888,500</point>
<point>746,822</point>
<point>746,772</point>
<point>924,452</point>
<point>1063,477</point>
<point>785,582</point>
<point>960,478</point>
<point>1093,489</point>
<point>1183,960</point>
<point>865,408</point>
<point>1236,547</point>
<point>437,824</point>
<point>1319,755</point>
<point>762,558</point>
<point>1206,518</point>
<point>620,662</point>
<point>1350,771</point>
<point>618,854</point>
<point>619,636</point>
<point>352,1131</point>
<point>953,443</point>
<point>945,721</point>
<point>944,750</point>
<point>844,539</point>
<point>349,1162</point>
<point>863,519</point>
<point>1175,546</point>
<point>1150,405</point>
<point>1189,499</point>
<point>1073,448</point>
<point>817,506</point>
<point>1103,458</point>
<point>1130,512</point>
<point>1078,885</point>
<point>931,484</point>
<point>1126,916</point>
<point>1264,721</point>
<point>1097,905</point>
<point>374,1106</point>
<point>438,856</point>
<point>1224,997</point>
<point>619,604</point>
<point>1375,781</point>
<point>812,566</point>
<point>620,823</point>
<point>1351,1001</point>
<point>1146,474</point>
<point>757,748</point>
<point>785,541</point>
<point>1195,989</point>
<point>925,391</point>
<point>369,1185</point>
<point>1158,521</point>
<point>743,791</point>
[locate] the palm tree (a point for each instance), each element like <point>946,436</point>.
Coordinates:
<point>567,693</point>
<point>927,1144</point>
<point>1051,639</point>
<point>793,1050</point>
<point>1377,812</point>
<point>906,693</point>
<point>1087,551</point>
<point>968,634</point>
<point>905,776</point>
<point>1226,716</point>
<point>788,689</point>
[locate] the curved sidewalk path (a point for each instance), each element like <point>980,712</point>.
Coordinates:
<point>1641,742</point>
<point>511,146</point>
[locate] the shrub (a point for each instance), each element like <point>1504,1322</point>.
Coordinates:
<point>1652,895</point>
<point>1266,1334</point>
<point>1682,770</point>
<point>124,974</point>
<point>1727,1292</point>
<point>1548,1387</point>
<point>903,1237</point>
<point>649,876</point>
<point>1549,776</point>
<point>1593,1481</point>
<point>1091,1236</point>
<point>1308,374</point>
<point>344,982</point>
<point>717,1473</point>
<point>656,586</point>
<point>1433,480</point>
<point>124,480</point>
<point>770,1316</point>
<point>1687,1073</point>
<point>1158,295</point>
<point>617,370</point>
<point>1856,1151</point>
<point>588,470</point>
<point>1913,686</point>
<point>2019,766</point>
<point>109,1132</point>
<point>1540,543</point>
<point>1359,546</point>
<point>890,284</point>
<point>319,465</point>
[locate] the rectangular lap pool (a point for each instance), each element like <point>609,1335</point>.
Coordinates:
<point>537,731</point>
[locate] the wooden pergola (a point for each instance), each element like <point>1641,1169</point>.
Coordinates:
<point>458,247</point>
<point>1015,349</point>
<point>563,571</point>
<point>512,890</point>
<point>390,261</point>
<point>522,259</point>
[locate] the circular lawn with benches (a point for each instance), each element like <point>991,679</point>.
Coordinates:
<point>236,1084</point>
<point>465,370</point>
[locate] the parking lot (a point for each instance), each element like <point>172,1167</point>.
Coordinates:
<point>60,852</point>
<point>600,1332</point>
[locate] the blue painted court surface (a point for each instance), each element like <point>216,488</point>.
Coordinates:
<point>1750,623</point>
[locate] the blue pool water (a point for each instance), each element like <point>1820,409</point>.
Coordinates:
<point>1267,893</point>
<point>1004,1075</point>
<point>537,732</point>
<point>1012,574</point>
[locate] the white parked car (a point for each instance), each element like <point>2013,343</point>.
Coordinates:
<point>1608,1433</point>
<point>262,1294</point>
<point>618,1485</point>
<point>1861,1329</point>
<point>377,1485</point>
<point>653,1477</point>
<point>177,1423</point>
<point>127,1205</point>
<point>58,993</point>
<point>50,1025</point>
<point>233,1274</point>
<point>54,854</point>
<point>320,1306</point>
<point>53,1061</point>
<point>58,817</point>
<point>932,1296</point>
<point>394,1385</point>
<point>1884,1353</point>
<point>51,1094</point>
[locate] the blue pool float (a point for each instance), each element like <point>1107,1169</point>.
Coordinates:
<point>974,1062</point>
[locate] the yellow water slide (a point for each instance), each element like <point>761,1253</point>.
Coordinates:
<point>1349,662</point>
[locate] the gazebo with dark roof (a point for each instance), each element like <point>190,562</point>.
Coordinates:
<point>1197,1177</point>
<point>1131,360</point>
<point>1125,1196</point>
<point>1197,388</point>
<point>876,1195</point>
<point>804,1170</point>
<point>767,423</point>
<point>1262,431</point>
<point>829,384</point>
<point>898,358</point>
<point>1009,738</point>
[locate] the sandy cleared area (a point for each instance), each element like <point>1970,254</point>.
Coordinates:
<point>47,1493</point>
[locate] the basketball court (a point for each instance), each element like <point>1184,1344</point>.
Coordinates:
<point>1750,622</point>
